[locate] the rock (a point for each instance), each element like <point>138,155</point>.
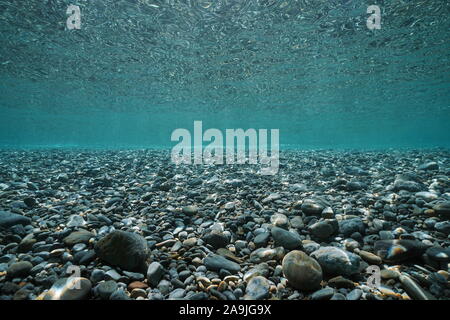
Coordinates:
<point>387,274</point>
<point>30,202</point>
<point>414,290</point>
<point>406,182</point>
<point>297,222</point>
<point>323,294</point>
<point>266,254</point>
<point>399,250</point>
<point>442,209</point>
<point>126,250</point>
<point>321,230</point>
<point>337,261</point>
<point>119,294</point>
<point>349,226</point>
<point>261,269</point>
<point>257,288</point>
<point>426,196</point>
<point>341,282</point>
<point>429,166</point>
<point>311,207</point>
<point>72,288</point>
<point>155,272</point>
<point>106,289</point>
<point>19,269</point>
<point>369,257</point>
<point>355,294</point>
<point>261,239</point>
<point>302,271</point>
<point>190,210</point>
<point>443,227</point>
<point>8,219</point>
<point>27,243</point>
<point>285,239</point>
<point>76,221</point>
<point>279,220</point>
<point>216,262</point>
<point>75,237</point>
<point>439,254</point>
<point>216,240</point>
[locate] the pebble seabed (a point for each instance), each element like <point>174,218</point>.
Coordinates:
<point>131,225</point>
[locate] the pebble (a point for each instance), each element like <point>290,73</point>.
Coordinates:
<point>336,261</point>
<point>72,288</point>
<point>323,294</point>
<point>257,288</point>
<point>216,262</point>
<point>302,271</point>
<point>285,239</point>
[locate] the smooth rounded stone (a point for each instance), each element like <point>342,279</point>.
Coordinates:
<point>19,269</point>
<point>190,242</point>
<point>328,213</point>
<point>106,289</point>
<point>432,165</point>
<point>266,254</point>
<point>138,293</point>
<point>9,219</point>
<point>164,287</point>
<point>119,294</point>
<point>126,250</point>
<point>216,240</point>
<point>399,250</point>
<point>230,206</point>
<point>87,258</point>
<point>285,239</point>
<point>338,296</point>
<point>176,294</point>
<point>322,230</point>
<point>341,282</point>
<point>406,182</point>
<point>261,239</point>
<point>311,207</point>
<point>134,275</point>
<point>426,196</point>
<point>443,227</point>
<point>369,257</point>
<point>279,220</point>
<point>386,235</point>
<point>75,237</point>
<point>216,262</point>
<point>355,294</point>
<point>387,274</point>
<point>442,209</point>
<point>190,210</point>
<point>302,271</point>
<point>72,288</point>
<point>76,221</point>
<point>30,202</point>
<point>26,243</point>
<point>413,289</point>
<point>355,185</point>
<point>310,246</point>
<point>79,247</point>
<point>261,269</point>
<point>297,222</point>
<point>257,288</point>
<point>323,294</point>
<point>228,254</point>
<point>349,226</point>
<point>438,254</point>
<point>336,261</point>
<point>97,275</point>
<point>137,285</point>
<point>155,272</point>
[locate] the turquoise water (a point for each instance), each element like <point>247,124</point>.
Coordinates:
<point>139,69</point>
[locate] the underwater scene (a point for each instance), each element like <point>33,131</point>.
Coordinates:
<point>224,150</point>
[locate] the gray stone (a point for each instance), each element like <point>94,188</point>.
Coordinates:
<point>9,219</point>
<point>323,294</point>
<point>72,288</point>
<point>75,237</point>
<point>126,250</point>
<point>216,262</point>
<point>399,250</point>
<point>302,271</point>
<point>106,289</point>
<point>155,272</point>
<point>349,226</point>
<point>19,269</point>
<point>285,239</point>
<point>257,288</point>
<point>336,261</point>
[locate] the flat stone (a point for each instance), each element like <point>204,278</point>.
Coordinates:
<point>266,254</point>
<point>399,250</point>
<point>9,219</point>
<point>323,294</point>
<point>75,237</point>
<point>19,269</point>
<point>216,262</point>
<point>72,288</point>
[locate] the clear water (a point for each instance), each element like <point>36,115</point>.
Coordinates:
<point>138,69</point>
